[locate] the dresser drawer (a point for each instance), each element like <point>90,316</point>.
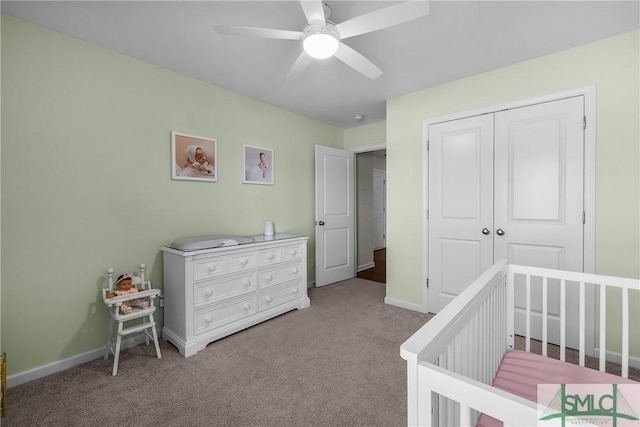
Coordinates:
<point>291,252</point>
<point>206,268</point>
<point>243,261</point>
<point>280,295</point>
<point>209,319</point>
<point>269,256</point>
<point>213,291</point>
<point>277,275</point>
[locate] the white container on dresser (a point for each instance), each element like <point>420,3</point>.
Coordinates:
<point>212,293</point>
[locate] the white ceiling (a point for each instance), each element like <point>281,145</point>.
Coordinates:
<point>457,39</point>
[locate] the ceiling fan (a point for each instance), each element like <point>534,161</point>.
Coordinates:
<point>322,38</point>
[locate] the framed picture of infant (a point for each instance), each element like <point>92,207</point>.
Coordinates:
<point>194,158</point>
<point>257,165</point>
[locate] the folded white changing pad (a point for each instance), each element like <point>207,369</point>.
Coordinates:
<point>194,243</point>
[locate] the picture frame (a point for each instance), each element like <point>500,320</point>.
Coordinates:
<point>194,158</point>
<point>258,166</point>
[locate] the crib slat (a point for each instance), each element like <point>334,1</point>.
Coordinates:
<point>625,332</point>
<point>603,328</point>
<point>528,314</point>
<point>582,325</point>
<point>465,415</point>
<point>545,312</point>
<point>563,318</point>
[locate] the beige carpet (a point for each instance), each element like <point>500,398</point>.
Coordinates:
<point>336,363</point>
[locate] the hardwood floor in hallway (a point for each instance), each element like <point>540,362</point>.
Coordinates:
<point>379,272</point>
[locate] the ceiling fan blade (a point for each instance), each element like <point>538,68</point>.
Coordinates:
<point>383,18</point>
<point>265,33</point>
<point>358,62</point>
<point>314,11</point>
<point>298,66</point>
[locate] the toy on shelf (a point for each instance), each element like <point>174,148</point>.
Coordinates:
<point>129,298</point>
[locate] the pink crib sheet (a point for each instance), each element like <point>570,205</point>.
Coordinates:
<point>521,372</point>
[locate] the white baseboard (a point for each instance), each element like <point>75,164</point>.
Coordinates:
<point>365,266</point>
<point>614,357</point>
<point>403,304</point>
<point>61,365</point>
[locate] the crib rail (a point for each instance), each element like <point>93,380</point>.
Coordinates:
<point>452,360</point>
<point>607,288</point>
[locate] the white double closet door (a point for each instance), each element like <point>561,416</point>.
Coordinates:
<point>507,185</point>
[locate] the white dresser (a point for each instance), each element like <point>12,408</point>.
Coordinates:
<point>212,293</point>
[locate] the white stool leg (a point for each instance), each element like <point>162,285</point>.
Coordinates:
<point>116,354</point>
<point>107,350</point>
<point>155,337</point>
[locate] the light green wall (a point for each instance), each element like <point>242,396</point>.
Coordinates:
<point>86,180</point>
<point>365,136</point>
<point>613,66</point>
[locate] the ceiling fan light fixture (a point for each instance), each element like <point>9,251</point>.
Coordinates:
<point>320,42</point>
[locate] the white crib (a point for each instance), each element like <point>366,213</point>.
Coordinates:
<point>453,359</point>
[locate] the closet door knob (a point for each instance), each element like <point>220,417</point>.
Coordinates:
<point>500,232</point>
<point>486,231</point>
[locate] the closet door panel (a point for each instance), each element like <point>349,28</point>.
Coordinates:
<point>460,205</point>
<point>539,198</point>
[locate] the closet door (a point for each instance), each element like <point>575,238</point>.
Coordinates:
<point>539,195</point>
<point>460,206</point>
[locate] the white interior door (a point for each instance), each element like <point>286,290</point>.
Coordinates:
<point>539,198</point>
<point>460,206</point>
<point>335,215</point>
<point>379,209</point>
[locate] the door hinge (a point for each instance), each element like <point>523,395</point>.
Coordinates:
<point>427,145</point>
<point>427,283</point>
<point>584,122</point>
<point>584,217</point>
<point>427,213</point>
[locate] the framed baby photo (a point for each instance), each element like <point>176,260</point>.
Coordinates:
<point>194,158</point>
<point>258,165</point>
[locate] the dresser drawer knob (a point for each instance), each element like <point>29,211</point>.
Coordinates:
<point>270,257</point>
<point>208,319</point>
<point>268,277</point>
<point>208,293</point>
<point>211,268</point>
<point>295,290</point>
<point>294,270</point>
<point>268,299</point>
<point>246,307</point>
<point>244,261</point>
<point>246,283</point>
<point>293,252</point>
